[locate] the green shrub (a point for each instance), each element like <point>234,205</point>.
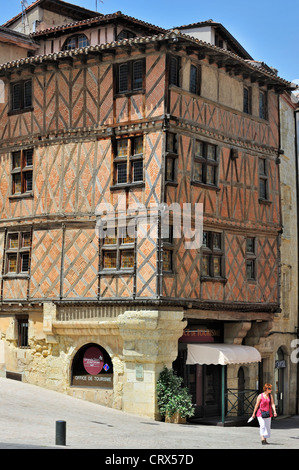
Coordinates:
<point>172,396</point>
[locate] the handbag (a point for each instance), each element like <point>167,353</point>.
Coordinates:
<point>266,414</point>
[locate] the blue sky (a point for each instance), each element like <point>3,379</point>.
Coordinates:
<point>267,29</point>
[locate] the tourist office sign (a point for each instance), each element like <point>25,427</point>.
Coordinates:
<point>96,371</point>
<point>93,360</point>
<point>201,334</point>
<point>99,381</point>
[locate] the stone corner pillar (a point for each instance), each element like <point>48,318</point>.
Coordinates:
<point>258,333</point>
<point>49,317</point>
<point>150,341</point>
<point>235,332</point>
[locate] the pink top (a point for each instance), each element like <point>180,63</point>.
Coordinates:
<point>265,405</point>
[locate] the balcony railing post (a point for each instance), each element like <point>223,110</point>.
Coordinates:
<point>223,394</point>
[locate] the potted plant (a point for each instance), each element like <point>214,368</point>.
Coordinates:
<point>174,400</point>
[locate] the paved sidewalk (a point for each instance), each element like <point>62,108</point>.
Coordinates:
<point>28,415</point>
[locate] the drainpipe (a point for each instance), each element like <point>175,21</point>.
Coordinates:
<point>296,122</point>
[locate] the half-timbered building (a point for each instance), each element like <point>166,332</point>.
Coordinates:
<point>112,114</point>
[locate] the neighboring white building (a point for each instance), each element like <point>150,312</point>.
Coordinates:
<point>215,33</point>
<point>285,325</point>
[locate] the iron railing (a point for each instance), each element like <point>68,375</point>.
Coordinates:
<point>240,403</point>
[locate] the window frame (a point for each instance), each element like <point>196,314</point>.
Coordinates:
<point>76,37</point>
<point>251,258</point>
<point>118,247</point>
<point>170,169</point>
<point>205,163</point>
<point>247,105</point>
<point>22,105</point>
<point>22,332</point>
<point>171,155</point>
<point>264,179</point>
<point>263,106</point>
<point>168,247</point>
<point>125,34</point>
<point>24,170</point>
<point>174,70</point>
<point>129,160</point>
<point>196,89</point>
<point>211,252</point>
<point>18,252</point>
<point>130,77</point>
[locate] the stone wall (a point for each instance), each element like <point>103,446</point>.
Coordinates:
<point>139,343</point>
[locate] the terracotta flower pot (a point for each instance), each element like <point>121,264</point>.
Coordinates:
<point>175,418</point>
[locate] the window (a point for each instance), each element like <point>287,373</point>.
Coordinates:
<point>174,71</point>
<point>219,41</point>
<point>18,252</point>
<point>130,76</point>
<point>171,143</point>
<point>263,105</point>
<point>205,163</point>
<point>195,79</point>
<point>167,261</point>
<point>75,42</point>
<point>212,255</point>
<point>170,169</point>
<point>128,160</point>
<point>263,179</point>
<point>247,100</point>
<point>137,76</point>
<point>21,96</point>
<point>22,171</point>
<point>137,172</point>
<point>22,325</point>
<point>118,252</point>
<point>125,34</point>
<point>168,250</point>
<point>250,258</point>
<point>171,156</point>
<point>123,78</point>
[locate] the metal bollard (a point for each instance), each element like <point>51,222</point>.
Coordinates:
<point>60,439</point>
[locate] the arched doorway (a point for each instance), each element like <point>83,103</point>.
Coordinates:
<point>92,367</point>
<point>280,365</point>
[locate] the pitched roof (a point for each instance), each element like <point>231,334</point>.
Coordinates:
<point>14,37</point>
<point>59,6</point>
<point>62,29</point>
<point>232,59</point>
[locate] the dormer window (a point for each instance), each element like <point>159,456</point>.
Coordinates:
<point>125,34</point>
<point>75,42</point>
<point>219,41</point>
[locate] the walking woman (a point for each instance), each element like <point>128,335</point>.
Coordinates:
<point>264,410</point>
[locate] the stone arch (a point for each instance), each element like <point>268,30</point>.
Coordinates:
<point>90,339</point>
<point>91,366</point>
<point>280,378</point>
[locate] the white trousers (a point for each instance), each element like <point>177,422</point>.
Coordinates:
<point>265,427</point>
